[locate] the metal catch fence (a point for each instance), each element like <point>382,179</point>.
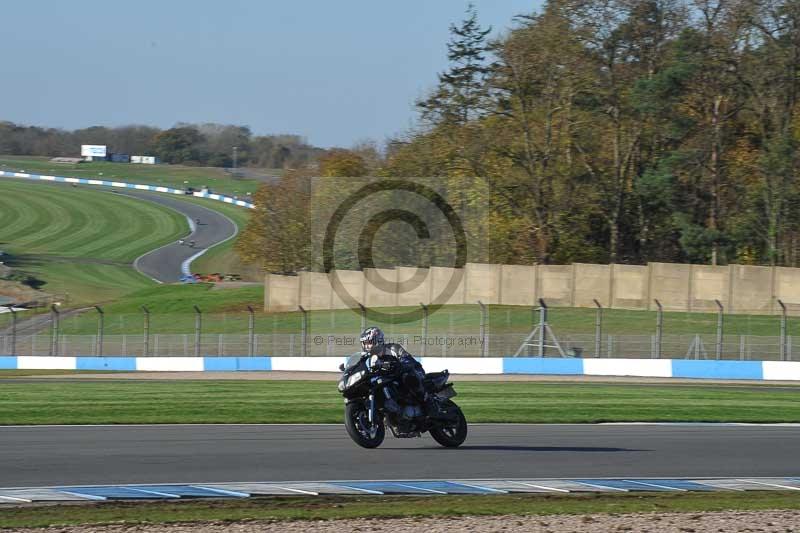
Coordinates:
<point>742,347</point>
<point>453,331</point>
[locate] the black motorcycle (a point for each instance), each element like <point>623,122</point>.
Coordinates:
<point>375,399</point>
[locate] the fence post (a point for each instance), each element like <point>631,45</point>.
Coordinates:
<point>13,329</point>
<point>534,322</point>
<point>100,327</point>
<point>542,322</point>
<point>198,324</point>
<point>424,329</point>
<point>363,317</point>
<point>251,328</point>
<point>146,340</point>
<point>719,329</point>
<point>303,332</point>
<point>598,328</point>
<point>484,318</point>
<point>783,330</point>
<point>54,318</point>
<point>659,327</point>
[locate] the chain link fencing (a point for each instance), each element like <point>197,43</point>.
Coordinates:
<point>451,331</point>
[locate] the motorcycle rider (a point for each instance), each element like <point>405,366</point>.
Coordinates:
<point>411,372</point>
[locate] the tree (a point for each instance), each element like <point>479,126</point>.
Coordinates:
<point>277,234</point>
<point>460,94</point>
<point>178,145</point>
<point>342,164</point>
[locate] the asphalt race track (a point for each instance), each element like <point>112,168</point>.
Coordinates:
<point>85,455</point>
<point>164,264</point>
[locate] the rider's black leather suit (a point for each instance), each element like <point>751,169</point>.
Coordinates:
<point>411,372</point>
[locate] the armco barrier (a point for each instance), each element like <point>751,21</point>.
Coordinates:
<point>665,368</point>
<point>124,185</point>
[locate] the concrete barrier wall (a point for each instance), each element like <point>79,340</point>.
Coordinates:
<point>740,288</point>
<point>482,282</point>
<point>283,293</point>
<point>787,287</point>
<point>630,286</point>
<point>414,286</point>
<point>753,289</point>
<point>555,284</point>
<point>709,283</point>
<point>380,287</point>
<point>664,368</point>
<point>518,284</point>
<point>591,283</point>
<point>670,285</point>
<point>353,283</point>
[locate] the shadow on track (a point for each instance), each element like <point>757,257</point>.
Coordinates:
<point>502,448</point>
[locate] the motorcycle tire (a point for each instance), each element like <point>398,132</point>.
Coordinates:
<point>451,436</point>
<point>355,416</point>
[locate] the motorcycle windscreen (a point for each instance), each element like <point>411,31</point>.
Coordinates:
<point>353,360</point>
<point>447,392</point>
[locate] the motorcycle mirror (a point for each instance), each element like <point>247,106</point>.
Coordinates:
<point>341,367</point>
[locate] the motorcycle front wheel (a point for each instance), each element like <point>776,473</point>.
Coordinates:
<point>356,421</point>
<point>454,434</point>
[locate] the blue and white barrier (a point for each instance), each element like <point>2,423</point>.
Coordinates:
<point>124,185</point>
<point>661,368</point>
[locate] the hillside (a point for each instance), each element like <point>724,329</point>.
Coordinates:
<point>80,242</point>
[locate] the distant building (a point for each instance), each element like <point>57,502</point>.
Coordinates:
<point>144,159</point>
<point>94,152</point>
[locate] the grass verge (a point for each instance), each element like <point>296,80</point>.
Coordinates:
<point>161,402</point>
<point>176,176</point>
<point>80,243</point>
<point>374,507</point>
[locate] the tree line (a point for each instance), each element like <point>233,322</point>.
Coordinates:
<point>603,131</point>
<point>190,144</point>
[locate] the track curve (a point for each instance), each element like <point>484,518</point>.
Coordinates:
<point>74,455</point>
<point>164,264</point>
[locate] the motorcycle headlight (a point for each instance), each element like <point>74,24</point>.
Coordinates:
<point>341,385</point>
<point>355,378</point>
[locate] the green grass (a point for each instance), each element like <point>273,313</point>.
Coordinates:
<point>176,176</point>
<point>83,283</point>
<point>79,241</point>
<point>230,401</point>
<point>44,219</point>
<point>376,507</point>
<point>225,311</point>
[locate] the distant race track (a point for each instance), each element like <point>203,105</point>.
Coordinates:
<point>165,264</point>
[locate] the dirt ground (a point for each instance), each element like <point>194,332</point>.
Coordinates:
<point>730,521</point>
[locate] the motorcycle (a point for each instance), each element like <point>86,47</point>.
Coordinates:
<point>375,399</point>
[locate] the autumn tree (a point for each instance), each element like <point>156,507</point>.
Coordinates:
<point>277,234</point>
<point>342,163</point>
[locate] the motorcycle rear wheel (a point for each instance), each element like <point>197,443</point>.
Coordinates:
<point>356,421</point>
<point>453,435</point>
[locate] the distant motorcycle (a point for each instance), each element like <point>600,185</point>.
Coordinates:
<point>367,383</point>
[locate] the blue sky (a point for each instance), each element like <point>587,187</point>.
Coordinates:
<point>336,72</point>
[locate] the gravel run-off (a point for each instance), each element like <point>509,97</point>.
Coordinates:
<point>729,521</point>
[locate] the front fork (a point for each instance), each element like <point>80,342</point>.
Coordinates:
<point>371,411</point>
